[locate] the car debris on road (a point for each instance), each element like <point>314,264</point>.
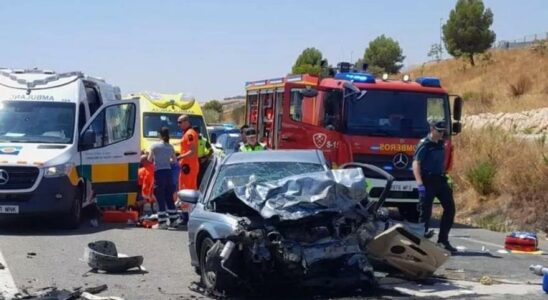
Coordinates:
<point>103,255</point>
<point>53,293</point>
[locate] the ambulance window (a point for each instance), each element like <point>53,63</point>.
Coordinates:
<point>81,117</point>
<point>114,124</point>
<point>94,100</point>
<point>301,108</point>
<point>120,122</point>
<point>97,127</point>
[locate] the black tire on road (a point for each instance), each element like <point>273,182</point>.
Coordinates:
<point>73,218</point>
<point>409,211</point>
<point>213,277</point>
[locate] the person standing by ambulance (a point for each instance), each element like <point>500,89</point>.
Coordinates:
<point>162,155</point>
<point>429,171</point>
<point>204,153</point>
<point>188,178</point>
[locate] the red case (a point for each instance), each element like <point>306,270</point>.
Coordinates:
<point>520,244</point>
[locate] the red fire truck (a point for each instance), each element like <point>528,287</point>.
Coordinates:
<point>354,117</point>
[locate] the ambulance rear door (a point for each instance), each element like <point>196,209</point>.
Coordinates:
<point>109,147</point>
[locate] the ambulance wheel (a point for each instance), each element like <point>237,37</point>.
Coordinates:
<point>72,219</point>
<point>409,211</point>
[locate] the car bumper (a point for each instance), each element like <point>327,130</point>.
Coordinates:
<point>51,197</point>
<point>404,191</point>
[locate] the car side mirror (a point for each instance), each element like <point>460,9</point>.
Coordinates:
<point>457,127</point>
<point>457,109</point>
<point>219,146</point>
<point>213,137</point>
<point>188,196</point>
<point>87,140</point>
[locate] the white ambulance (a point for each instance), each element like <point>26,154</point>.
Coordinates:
<point>66,141</point>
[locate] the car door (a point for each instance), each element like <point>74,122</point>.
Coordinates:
<point>109,151</point>
<point>303,124</point>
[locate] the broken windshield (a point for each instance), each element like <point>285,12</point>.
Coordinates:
<point>234,175</point>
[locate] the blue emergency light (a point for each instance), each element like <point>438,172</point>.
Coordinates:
<point>356,77</point>
<point>429,81</point>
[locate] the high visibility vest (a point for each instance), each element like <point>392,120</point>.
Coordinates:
<point>249,148</point>
<point>203,150</point>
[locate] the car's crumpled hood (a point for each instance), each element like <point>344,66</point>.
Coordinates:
<point>304,195</point>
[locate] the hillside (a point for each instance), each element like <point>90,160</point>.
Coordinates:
<point>502,81</point>
<point>501,157</point>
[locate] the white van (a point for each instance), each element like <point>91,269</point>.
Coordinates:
<point>66,141</point>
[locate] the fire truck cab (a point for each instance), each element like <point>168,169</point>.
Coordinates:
<point>354,117</point>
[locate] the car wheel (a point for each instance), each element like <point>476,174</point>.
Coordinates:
<point>409,211</point>
<point>74,216</point>
<point>213,277</point>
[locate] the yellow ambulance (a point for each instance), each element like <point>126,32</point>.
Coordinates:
<point>159,110</point>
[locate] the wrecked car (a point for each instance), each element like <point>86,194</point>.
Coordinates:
<point>283,217</point>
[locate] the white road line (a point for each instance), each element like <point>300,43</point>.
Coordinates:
<point>480,242</point>
<point>8,289</point>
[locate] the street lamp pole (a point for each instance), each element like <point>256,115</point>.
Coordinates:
<point>441,40</point>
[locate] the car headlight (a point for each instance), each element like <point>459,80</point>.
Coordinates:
<point>59,170</point>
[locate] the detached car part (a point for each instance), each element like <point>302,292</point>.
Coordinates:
<point>103,255</point>
<point>415,256</point>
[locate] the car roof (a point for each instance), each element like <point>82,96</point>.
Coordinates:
<point>304,156</point>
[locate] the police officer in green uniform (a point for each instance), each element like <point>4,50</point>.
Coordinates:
<point>251,143</point>
<point>204,153</point>
<point>429,171</point>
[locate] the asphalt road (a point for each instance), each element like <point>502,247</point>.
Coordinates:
<point>35,257</point>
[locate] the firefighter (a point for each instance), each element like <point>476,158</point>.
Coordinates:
<point>162,155</point>
<point>429,171</point>
<point>251,143</point>
<point>188,155</point>
<point>204,153</point>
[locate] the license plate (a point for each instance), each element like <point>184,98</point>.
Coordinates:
<point>9,209</point>
<point>400,187</point>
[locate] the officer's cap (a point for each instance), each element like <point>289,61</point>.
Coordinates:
<point>250,132</point>
<point>439,125</point>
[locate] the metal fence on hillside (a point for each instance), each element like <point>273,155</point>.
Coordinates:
<point>522,42</point>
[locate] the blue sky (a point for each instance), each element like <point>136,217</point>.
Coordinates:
<point>210,48</point>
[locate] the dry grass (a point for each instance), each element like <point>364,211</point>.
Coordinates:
<point>510,80</point>
<point>512,191</point>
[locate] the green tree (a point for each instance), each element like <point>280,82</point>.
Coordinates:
<point>309,62</point>
<point>212,116</point>
<point>435,52</point>
<point>467,29</point>
<point>214,105</point>
<point>238,115</point>
<point>384,53</point>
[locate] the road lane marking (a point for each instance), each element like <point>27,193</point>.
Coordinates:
<point>480,242</point>
<point>8,289</point>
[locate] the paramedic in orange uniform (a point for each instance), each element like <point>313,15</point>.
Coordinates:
<point>189,162</point>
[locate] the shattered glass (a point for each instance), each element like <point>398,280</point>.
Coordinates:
<point>304,195</point>
<point>231,176</point>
